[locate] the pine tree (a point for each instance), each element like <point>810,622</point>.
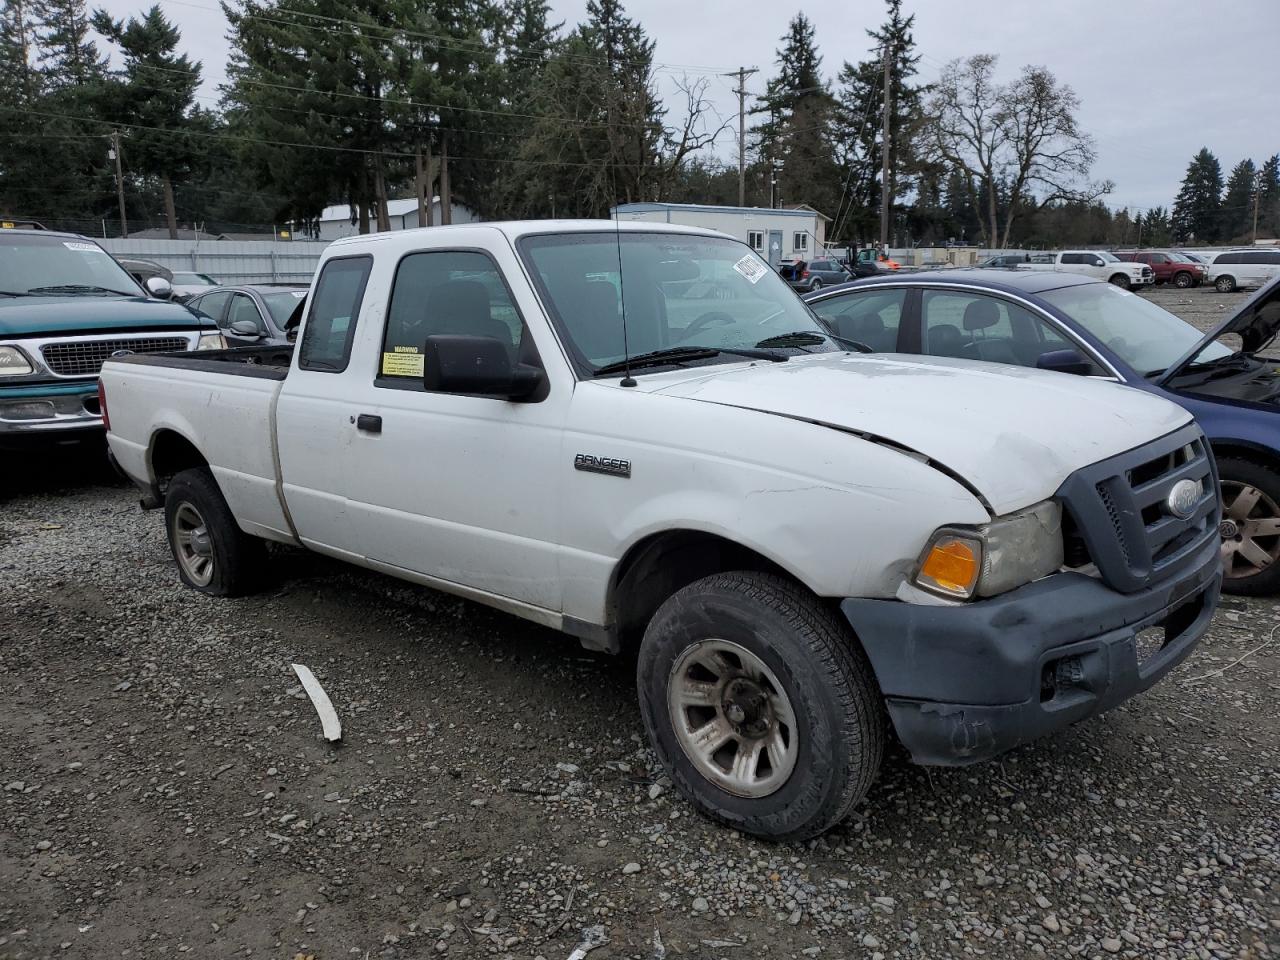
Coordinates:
<point>1269,198</point>
<point>18,80</point>
<point>1237,202</point>
<point>859,127</point>
<point>69,57</point>
<point>1156,229</point>
<point>1197,208</point>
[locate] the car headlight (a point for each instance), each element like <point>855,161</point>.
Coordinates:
<point>211,341</point>
<point>13,362</point>
<point>964,562</point>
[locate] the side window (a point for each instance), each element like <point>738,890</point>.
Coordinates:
<point>335,307</point>
<point>243,308</point>
<point>445,292</point>
<point>800,241</point>
<point>977,327</point>
<point>871,317</point>
<point>212,305</point>
<point>1072,258</point>
<point>1228,259</point>
<point>755,239</point>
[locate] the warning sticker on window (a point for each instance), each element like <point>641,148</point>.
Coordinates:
<point>403,362</point>
<point>82,247</point>
<point>751,267</point>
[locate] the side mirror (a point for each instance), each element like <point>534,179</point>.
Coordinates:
<point>159,287</point>
<point>1065,361</point>
<point>454,363</point>
<point>245,328</point>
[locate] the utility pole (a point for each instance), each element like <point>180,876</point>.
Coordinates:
<point>742,73</point>
<point>115,155</point>
<point>1257,194</point>
<point>884,158</point>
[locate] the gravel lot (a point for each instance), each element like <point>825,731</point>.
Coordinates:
<point>164,787</point>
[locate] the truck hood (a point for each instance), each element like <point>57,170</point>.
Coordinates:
<point>1256,322</point>
<point>1012,434</point>
<point>45,316</point>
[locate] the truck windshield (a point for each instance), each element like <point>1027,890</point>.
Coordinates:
<point>668,290</point>
<point>1107,257</point>
<point>57,265</point>
<point>1146,337</point>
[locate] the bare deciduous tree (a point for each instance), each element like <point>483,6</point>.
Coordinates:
<point>1019,142</point>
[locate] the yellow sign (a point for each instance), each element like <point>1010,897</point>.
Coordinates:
<point>403,363</point>
<point>284,234</point>
<point>6,224</point>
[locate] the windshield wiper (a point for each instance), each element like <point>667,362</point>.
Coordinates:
<point>79,288</point>
<point>804,338</point>
<point>676,355</point>
<point>16,293</point>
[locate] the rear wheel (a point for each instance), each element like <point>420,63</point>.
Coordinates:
<point>1182,279</point>
<point>213,554</point>
<point>1120,280</point>
<point>760,705</point>
<point>817,284</point>
<point>1250,527</point>
<point>1225,284</point>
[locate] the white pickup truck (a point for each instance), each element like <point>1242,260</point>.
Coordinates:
<point>637,434</point>
<point>1093,263</point>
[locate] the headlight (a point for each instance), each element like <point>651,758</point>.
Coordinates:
<point>963,562</point>
<point>13,362</point>
<point>211,341</point>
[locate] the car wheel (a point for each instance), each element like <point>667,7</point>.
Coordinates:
<point>760,705</point>
<point>213,554</point>
<point>1250,527</point>
<point>816,284</point>
<point>1120,280</point>
<point>1182,280</point>
<point>1225,284</point>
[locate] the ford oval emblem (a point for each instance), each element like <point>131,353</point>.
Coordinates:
<point>1182,498</point>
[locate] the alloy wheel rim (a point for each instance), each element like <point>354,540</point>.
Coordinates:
<point>194,547</point>
<point>1250,530</point>
<point>732,718</point>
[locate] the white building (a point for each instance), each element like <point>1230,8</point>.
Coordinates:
<point>778,234</point>
<point>337,221</point>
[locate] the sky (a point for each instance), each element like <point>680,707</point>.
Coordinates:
<point>1157,80</point>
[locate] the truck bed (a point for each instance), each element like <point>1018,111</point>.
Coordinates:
<point>271,362</point>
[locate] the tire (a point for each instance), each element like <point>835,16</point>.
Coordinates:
<point>1182,280</point>
<point>1120,280</point>
<point>1225,284</point>
<point>1251,510</point>
<point>806,666</point>
<point>816,285</point>
<point>212,553</point>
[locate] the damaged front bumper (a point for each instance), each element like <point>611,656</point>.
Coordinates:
<point>965,683</point>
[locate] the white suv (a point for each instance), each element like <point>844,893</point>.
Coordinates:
<point>1240,269</point>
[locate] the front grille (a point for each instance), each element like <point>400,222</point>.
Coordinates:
<point>1146,272</point>
<point>83,358</point>
<point>1119,508</point>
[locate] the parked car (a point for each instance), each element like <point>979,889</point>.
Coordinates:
<point>1006,260</point>
<point>254,313</point>
<point>65,306</point>
<point>1243,269</point>
<point>800,541</point>
<point>1201,258</point>
<point>1168,266</point>
<point>1077,326</point>
<point>1093,263</point>
<point>814,274</point>
<point>143,271</point>
<point>188,284</point>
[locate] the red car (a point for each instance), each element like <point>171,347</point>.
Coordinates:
<point>1169,267</point>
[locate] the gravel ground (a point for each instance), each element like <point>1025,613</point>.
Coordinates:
<point>164,787</point>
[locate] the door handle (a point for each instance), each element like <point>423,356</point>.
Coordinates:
<point>369,423</point>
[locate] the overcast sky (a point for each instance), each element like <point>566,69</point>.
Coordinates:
<point>1157,80</point>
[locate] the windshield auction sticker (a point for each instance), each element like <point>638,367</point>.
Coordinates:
<point>403,362</point>
<point>751,267</point>
<point>82,247</point>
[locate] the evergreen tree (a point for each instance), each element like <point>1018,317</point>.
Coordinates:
<point>1156,228</point>
<point>1269,198</point>
<point>1237,202</point>
<point>1197,208</point>
<point>18,80</point>
<point>69,57</point>
<point>859,125</point>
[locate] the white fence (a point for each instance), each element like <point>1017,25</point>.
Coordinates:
<point>228,261</point>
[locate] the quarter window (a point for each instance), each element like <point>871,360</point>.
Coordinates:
<point>335,307</point>
<point>445,292</point>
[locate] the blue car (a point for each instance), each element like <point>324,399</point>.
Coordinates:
<point>1087,327</point>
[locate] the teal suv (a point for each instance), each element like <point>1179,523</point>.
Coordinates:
<point>65,306</point>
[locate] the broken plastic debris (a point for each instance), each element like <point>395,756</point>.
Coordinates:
<point>592,937</point>
<point>324,706</point>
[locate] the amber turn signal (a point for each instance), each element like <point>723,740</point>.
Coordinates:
<point>951,566</point>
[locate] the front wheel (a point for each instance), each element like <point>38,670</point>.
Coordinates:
<point>1225,284</point>
<point>760,705</point>
<point>213,554</point>
<point>1250,527</point>
<point>816,285</point>
<point>1120,280</point>
<point>1182,280</point>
